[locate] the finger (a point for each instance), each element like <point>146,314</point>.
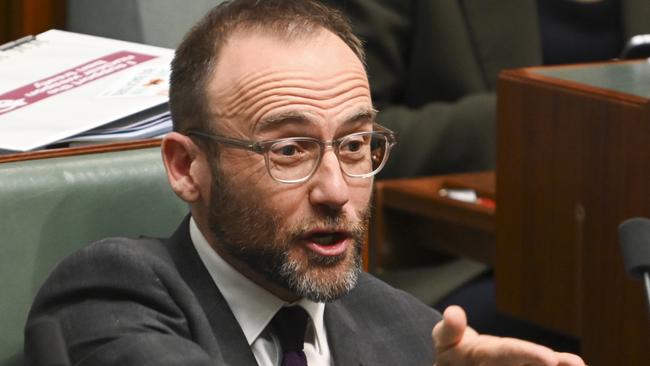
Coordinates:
<point>448,332</point>
<point>569,359</point>
<point>519,352</point>
<point>524,352</point>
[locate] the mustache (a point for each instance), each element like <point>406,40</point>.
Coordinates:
<point>339,222</point>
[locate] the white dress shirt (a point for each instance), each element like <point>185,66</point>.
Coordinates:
<point>254,307</point>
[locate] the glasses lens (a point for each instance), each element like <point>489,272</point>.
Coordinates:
<point>362,154</point>
<point>293,159</point>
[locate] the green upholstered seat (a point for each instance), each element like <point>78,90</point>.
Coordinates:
<point>50,207</point>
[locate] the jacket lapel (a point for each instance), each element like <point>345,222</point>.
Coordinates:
<point>232,347</point>
<point>346,347</point>
<point>505,34</point>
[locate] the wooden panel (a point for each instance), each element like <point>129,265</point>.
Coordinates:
<point>23,17</point>
<point>620,169</point>
<point>536,252</point>
<point>5,18</point>
<point>573,162</point>
<point>41,15</point>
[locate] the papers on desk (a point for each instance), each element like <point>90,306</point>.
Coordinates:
<point>157,125</point>
<point>59,85</point>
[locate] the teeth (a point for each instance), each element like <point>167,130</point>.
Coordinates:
<point>324,239</point>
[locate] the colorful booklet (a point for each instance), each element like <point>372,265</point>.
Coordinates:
<point>61,84</point>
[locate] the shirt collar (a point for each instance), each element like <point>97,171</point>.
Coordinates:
<point>252,305</point>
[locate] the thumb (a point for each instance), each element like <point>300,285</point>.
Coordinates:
<point>448,332</point>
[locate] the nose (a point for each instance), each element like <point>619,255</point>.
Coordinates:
<point>329,187</point>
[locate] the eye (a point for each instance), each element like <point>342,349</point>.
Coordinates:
<point>288,150</point>
<point>354,144</point>
<point>293,150</point>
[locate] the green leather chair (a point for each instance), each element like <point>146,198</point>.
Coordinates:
<point>51,207</point>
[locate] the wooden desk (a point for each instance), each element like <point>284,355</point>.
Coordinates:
<point>413,211</point>
<point>573,162</point>
<point>81,150</point>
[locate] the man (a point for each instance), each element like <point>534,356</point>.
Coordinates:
<point>274,149</point>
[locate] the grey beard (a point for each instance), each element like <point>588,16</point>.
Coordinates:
<point>247,231</point>
<point>273,262</point>
<point>320,290</point>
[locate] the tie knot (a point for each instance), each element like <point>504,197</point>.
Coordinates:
<point>289,325</point>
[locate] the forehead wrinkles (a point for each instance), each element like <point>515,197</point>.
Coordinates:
<point>257,93</point>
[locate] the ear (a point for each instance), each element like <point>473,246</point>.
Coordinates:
<point>186,165</point>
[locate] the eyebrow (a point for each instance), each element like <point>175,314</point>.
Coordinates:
<point>304,117</point>
<point>290,117</point>
<point>360,114</point>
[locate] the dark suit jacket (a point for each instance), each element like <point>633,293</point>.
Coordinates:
<point>152,302</point>
<point>433,68</point>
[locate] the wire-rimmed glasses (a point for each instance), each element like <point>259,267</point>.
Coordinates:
<point>295,159</point>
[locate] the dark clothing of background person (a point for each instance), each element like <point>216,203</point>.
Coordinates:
<point>433,68</point>
<point>574,31</point>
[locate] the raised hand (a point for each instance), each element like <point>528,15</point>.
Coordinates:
<point>459,345</point>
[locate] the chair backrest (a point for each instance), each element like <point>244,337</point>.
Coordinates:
<point>50,207</point>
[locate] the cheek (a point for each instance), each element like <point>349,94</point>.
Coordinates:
<point>289,199</point>
<point>246,170</point>
<point>360,194</point>
<point>248,176</point>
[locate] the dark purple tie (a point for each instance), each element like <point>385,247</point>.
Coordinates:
<point>289,325</point>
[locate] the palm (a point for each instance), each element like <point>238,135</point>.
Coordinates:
<point>459,345</point>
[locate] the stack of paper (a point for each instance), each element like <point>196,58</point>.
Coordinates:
<point>60,85</point>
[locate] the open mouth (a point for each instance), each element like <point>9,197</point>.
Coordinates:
<point>327,243</point>
<point>327,238</point>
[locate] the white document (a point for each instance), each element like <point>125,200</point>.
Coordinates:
<point>62,84</point>
<point>157,125</point>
